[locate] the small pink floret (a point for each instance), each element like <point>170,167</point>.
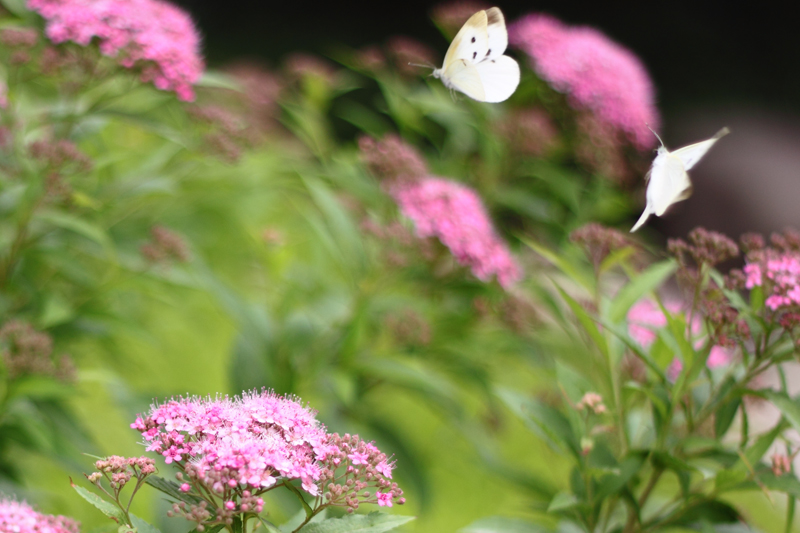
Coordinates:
<point>186,487</point>
<point>385,499</point>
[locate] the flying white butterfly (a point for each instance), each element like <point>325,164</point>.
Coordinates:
<point>475,64</point>
<point>668,181</point>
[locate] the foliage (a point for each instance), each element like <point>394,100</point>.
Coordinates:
<point>376,242</point>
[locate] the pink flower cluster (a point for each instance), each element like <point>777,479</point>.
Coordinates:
<point>455,215</point>
<point>19,517</point>
<point>152,34</point>
<point>646,317</point>
<point>595,73</point>
<point>251,442</point>
<point>781,273</point>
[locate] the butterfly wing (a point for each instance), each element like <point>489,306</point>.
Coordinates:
<point>691,154</point>
<point>463,76</point>
<point>499,78</point>
<point>496,32</point>
<point>475,64</point>
<point>470,43</point>
<point>669,183</point>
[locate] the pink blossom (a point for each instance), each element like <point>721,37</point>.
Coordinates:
<point>19,517</point>
<point>152,35</point>
<point>251,441</point>
<point>593,71</point>
<point>645,317</point>
<point>385,468</point>
<point>718,357</point>
<point>358,458</point>
<point>384,499</point>
<point>674,369</point>
<point>780,274</point>
<point>455,215</point>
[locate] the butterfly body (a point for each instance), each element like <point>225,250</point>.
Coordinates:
<point>668,181</point>
<point>475,64</point>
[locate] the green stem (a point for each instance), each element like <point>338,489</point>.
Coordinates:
<point>790,514</point>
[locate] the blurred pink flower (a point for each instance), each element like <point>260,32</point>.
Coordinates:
<point>20,517</point>
<point>455,215</point>
<point>154,35</point>
<point>593,71</point>
<point>645,317</point>
<point>718,357</point>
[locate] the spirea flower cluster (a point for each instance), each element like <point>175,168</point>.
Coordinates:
<point>19,517</point>
<point>593,71</point>
<point>240,447</point>
<point>455,215</point>
<point>153,35</point>
<point>781,276</point>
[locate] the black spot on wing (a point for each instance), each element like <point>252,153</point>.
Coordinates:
<point>489,51</point>
<point>474,55</point>
<point>473,40</point>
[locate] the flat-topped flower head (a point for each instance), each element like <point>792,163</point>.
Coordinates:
<point>230,450</point>
<point>454,214</point>
<point>593,71</point>
<point>152,35</point>
<point>19,517</point>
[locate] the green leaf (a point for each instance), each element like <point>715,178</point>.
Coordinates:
<point>68,221</point>
<point>660,403</point>
<point>562,501</point>
<point>107,508</point>
<point>643,284</point>
<point>757,298</point>
<point>373,522</point>
<point>567,268</point>
<point>586,321</point>
<point>218,80</point>
<point>724,416</point>
<point>502,524</point>
<point>299,518</point>
<point>171,489</point>
<point>789,407</point>
<point>714,511</point>
<point>143,526</point>
<point>17,7</point>
<point>543,420</point>
<point>612,483</point>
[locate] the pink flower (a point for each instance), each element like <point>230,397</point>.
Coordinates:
<point>385,468</point>
<point>455,215</point>
<point>153,35</point>
<point>359,458</point>
<point>718,357</point>
<point>19,517</point>
<point>674,369</point>
<point>384,499</point>
<point>780,274</point>
<point>646,316</point>
<point>593,71</point>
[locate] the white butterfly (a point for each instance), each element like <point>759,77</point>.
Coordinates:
<point>668,181</point>
<point>475,64</point>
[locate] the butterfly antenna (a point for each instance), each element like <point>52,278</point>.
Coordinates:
<point>654,133</point>
<point>428,65</point>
